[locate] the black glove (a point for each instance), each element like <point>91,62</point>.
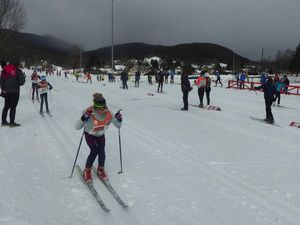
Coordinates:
<point>118,116</point>
<point>86,116</point>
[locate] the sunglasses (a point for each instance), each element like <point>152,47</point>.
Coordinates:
<point>99,106</point>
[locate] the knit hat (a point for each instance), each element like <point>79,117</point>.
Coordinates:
<point>43,78</point>
<point>99,101</point>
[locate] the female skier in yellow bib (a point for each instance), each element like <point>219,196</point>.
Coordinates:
<point>95,120</point>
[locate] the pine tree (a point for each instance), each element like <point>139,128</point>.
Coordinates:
<point>295,61</point>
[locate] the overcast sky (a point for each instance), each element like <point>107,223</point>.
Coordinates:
<point>246,26</point>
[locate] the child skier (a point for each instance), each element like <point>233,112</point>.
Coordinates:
<point>95,120</point>
<point>279,85</point>
<point>43,87</point>
<point>269,93</point>
<point>35,80</point>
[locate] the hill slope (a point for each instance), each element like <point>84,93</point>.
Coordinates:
<point>192,52</point>
<point>36,47</point>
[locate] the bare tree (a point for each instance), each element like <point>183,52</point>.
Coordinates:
<point>12,18</point>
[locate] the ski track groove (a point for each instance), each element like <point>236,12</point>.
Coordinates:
<point>41,121</point>
<point>277,207</point>
<point>29,193</point>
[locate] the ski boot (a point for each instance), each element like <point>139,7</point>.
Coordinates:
<point>87,175</point>
<point>101,173</point>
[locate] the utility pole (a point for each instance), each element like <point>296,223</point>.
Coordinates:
<point>262,59</point>
<point>80,58</point>
<point>232,62</point>
<point>112,34</point>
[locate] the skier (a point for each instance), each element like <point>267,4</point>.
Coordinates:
<point>172,77</point>
<point>150,79</point>
<point>208,88</point>
<point>88,78</point>
<point>242,80</point>
<point>166,74</point>
<point>269,93</point>
<point>160,80</point>
<point>200,83</point>
<point>43,87</point>
<point>279,85</point>
<point>95,120</point>
<point>124,79</point>
<point>185,88</point>
<point>287,83</point>
<point>35,80</point>
<point>77,75</point>
<point>66,74</point>
<point>263,79</point>
<point>218,79</point>
<point>137,78</point>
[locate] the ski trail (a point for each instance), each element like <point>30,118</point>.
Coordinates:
<point>261,198</point>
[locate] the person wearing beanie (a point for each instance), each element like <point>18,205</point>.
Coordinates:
<point>95,120</point>
<point>35,80</point>
<point>185,88</point>
<point>269,94</point>
<point>43,88</point>
<point>11,79</point>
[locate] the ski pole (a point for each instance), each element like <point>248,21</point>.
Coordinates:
<point>77,155</point>
<point>121,171</point>
<point>120,149</point>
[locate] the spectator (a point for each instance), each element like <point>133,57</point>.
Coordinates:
<point>10,81</point>
<point>137,78</point>
<point>124,79</point>
<point>185,88</point>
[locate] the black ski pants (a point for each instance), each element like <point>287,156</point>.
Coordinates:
<point>124,83</point>
<point>44,98</point>
<point>185,100</point>
<point>201,94</point>
<point>160,85</point>
<point>10,103</point>
<point>207,92</point>
<point>269,115</point>
<point>277,97</point>
<point>97,147</point>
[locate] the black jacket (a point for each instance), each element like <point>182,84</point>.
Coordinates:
<point>269,90</point>
<point>124,76</point>
<point>185,83</point>
<point>11,79</point>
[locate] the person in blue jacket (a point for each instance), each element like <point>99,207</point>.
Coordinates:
<point>269,93</point>
<point>279,85</point>
<point>242,80</point>
<point>263,79</point>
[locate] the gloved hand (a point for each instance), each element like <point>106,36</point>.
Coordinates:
<point>118,116</point>
<point>86,116</point>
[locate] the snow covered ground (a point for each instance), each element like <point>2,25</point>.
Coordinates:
<point>197,167</point>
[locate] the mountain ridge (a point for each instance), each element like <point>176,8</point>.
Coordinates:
<point>33,48</point>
